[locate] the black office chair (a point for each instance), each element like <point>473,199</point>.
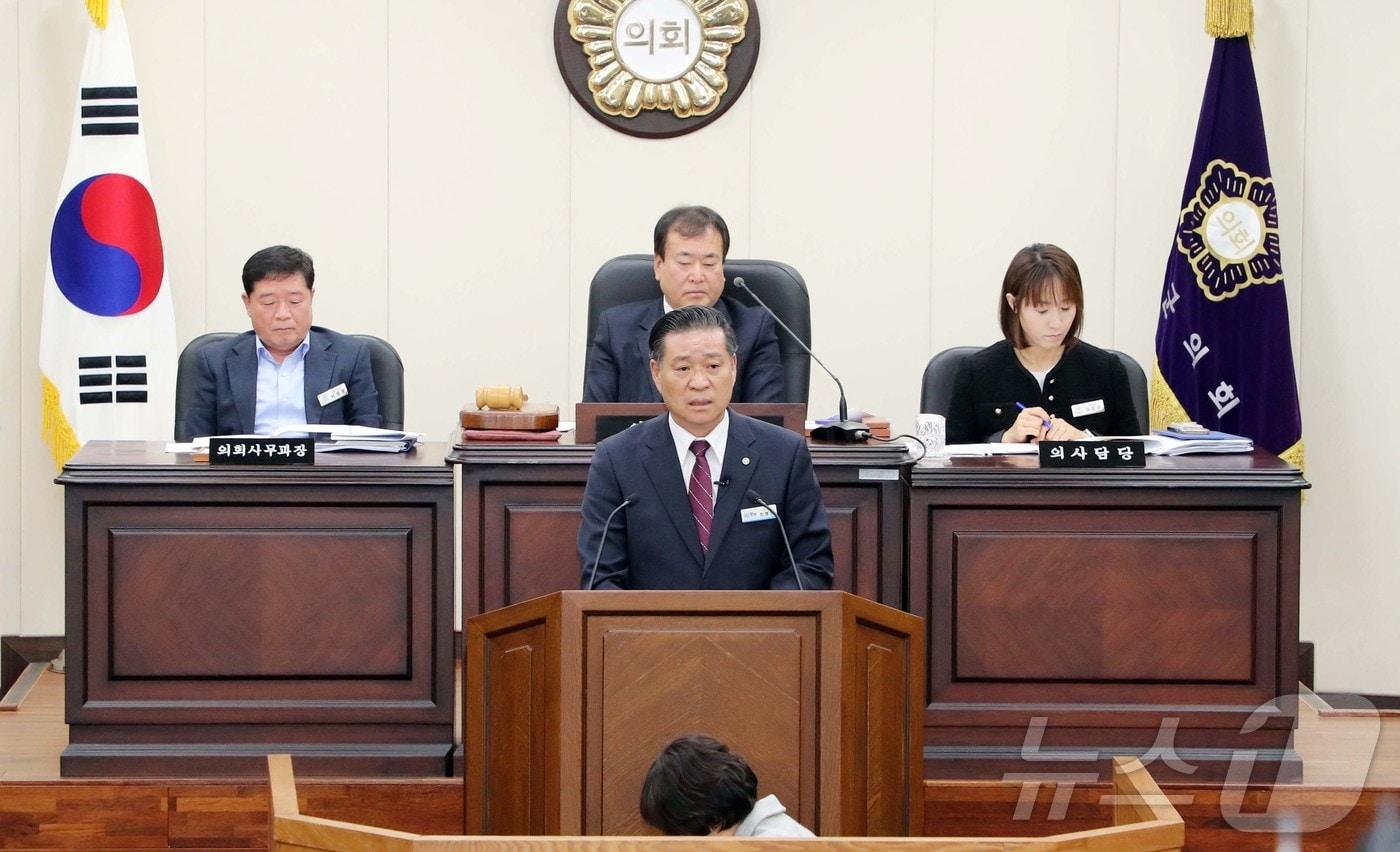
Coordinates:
<point>942,372</point>
<point>384,363</point>
<point>631,278</point>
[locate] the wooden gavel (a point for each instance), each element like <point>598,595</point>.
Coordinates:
<point>500,397</point>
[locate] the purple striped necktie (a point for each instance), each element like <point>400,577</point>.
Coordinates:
<point>702,501</point>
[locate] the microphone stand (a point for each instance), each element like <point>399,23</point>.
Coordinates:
<point>845,430</point>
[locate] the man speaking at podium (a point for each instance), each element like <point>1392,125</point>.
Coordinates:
<point>702,497</point>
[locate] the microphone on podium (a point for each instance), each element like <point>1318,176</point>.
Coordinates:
<point>845,431</point>
<point>796,571</point>
<point>593,575</point>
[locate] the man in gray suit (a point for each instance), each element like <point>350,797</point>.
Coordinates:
<point>285,371</point>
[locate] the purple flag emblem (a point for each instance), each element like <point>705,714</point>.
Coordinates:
<point>1223,352</point>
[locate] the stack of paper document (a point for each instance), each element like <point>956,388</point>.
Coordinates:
<point>329,439</point>
<point>1163,443</point>
<point>1159,443</point>
<point>336,438</point>
<point>990,449</point>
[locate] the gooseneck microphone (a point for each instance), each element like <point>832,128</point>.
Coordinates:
<point>846,431</point>
<point>797,572</point>
<point>593,575</point>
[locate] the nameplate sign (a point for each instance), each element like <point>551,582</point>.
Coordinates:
<point>1092,454</point>
<point>262,451</point>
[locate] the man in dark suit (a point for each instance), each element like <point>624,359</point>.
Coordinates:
<point>689,245</point>
<point>702,482</point>
<point>285,371</point>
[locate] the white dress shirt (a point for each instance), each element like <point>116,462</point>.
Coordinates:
<point>281,389</point>
<point>718,438</point>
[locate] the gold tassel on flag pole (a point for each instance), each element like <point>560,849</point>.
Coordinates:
<point>58,434</point>
<point>1224,18</point>
<point>97,10</point>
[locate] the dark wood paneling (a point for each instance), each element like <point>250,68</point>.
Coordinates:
<point>791,680</point>
<point>213,612</point>
<point>1074,615</point>
<point>134,815</point>
<point>515,686</point>
<point>1060,604</point>
<point>656,678</point>
<point>296,601</point>
<point>878,749</point>
<point>521,517</point>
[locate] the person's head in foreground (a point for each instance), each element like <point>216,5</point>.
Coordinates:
<point>697,786</point>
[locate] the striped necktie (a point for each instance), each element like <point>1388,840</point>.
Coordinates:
<point>702,501</point>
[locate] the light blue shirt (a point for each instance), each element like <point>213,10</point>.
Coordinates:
<point>281,398</point>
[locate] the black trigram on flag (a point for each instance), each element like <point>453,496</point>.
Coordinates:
<point>104,109</point>
<point>111,378</point>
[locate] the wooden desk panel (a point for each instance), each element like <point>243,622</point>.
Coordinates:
<point>217,613</point>
<point>521,516</point>
<point>1079,613</point>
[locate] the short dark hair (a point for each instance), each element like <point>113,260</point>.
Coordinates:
<point>1032,277</point>
<point>697,785</point>
<point>688,221</point>
<point>689,318</point>
<point>278,262</point>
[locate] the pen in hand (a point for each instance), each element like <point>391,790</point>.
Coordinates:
<point>1043,422</point>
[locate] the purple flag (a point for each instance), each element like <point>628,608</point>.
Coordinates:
<point>1223,352</point>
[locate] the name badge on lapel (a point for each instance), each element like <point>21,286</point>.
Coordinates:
<point>757,513</point>
<point>339,390</point>
<point>1094,406</point>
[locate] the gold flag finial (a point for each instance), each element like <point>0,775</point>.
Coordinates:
<point>97,10</point>
<point>1227,18</point>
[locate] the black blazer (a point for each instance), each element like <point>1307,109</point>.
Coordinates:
<point>225,396</point>
<point>619,358</point>
<point>992,381</point>
<point>653,543</point>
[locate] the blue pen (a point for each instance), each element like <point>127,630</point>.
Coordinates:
<point>1022,406</point>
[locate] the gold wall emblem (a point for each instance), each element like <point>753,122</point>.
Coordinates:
<point>664,55</point>
<point>1229,231</point>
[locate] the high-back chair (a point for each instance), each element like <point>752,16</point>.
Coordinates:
<point>632,278</point>
<point>384,363</point>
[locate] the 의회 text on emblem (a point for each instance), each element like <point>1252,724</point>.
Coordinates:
<point>1228,231</point>
<point>667,55</point>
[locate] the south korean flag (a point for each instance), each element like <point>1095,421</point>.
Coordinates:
<point>107,344</point>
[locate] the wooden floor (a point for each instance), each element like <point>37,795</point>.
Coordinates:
<point>1351,760</point>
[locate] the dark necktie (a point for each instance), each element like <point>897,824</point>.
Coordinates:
<point>702,501</point>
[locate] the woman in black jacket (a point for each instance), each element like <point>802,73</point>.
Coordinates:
<point>1041,382</point>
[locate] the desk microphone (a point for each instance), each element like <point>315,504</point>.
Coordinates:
<point>797,572</point>
<point>846,431</point>
<point>593,575</point>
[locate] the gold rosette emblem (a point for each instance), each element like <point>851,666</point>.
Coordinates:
<point>1229,231</point>
<point>657,54</point>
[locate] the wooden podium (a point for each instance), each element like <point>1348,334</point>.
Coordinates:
<point>570,696</point>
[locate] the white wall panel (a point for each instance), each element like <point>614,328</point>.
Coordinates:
<point>842,111</point>
<point>167,43</point>
<point>1350,539</point>
<point>478,206</point>
<point>1157,115</point>
<point>52,34</point>
<point>11,351</point>
<point>1023,151</point>
<point>297,151</point>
